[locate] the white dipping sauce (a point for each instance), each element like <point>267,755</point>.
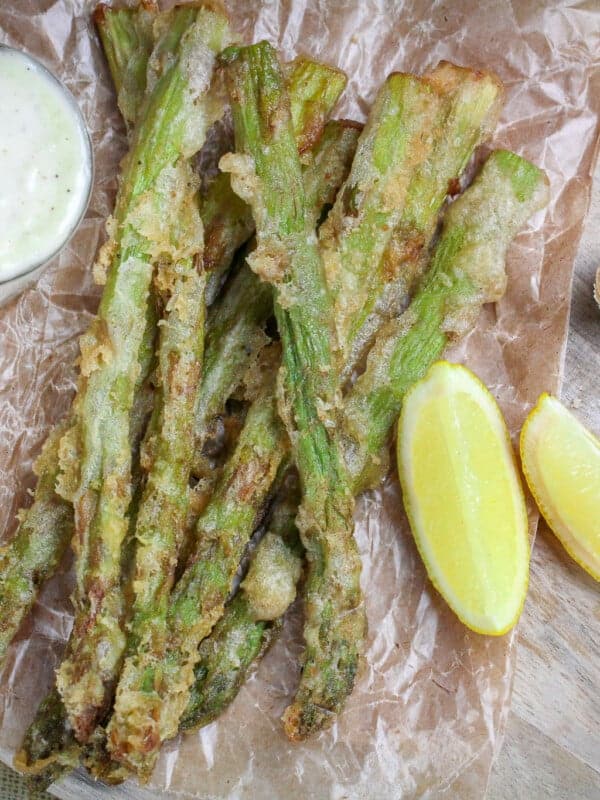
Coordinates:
<point>45,164</point>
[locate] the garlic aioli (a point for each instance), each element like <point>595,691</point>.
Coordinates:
<point>45,164</point>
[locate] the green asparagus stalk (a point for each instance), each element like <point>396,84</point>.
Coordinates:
<point>467,271</point>
<point>252,619</point>
<point>235,337</point>
<point>419,136</point>
<point>266,173</point>
<point>477,231</point>
<point>314,90</point>
<point>396,140</point>
<point>236,320</point>
<point>251,622</point>
<point>164,505</point>
<point>329,165</point>
<point>153,690</point>
<point>49,749</point>
<point>38,546</point>
<point>323,85</point>
<point>228,225</point>
<point>127,39</point>
<point>346,135</point>
<point>45,531</point>
<point>163,509</point>
<point>220,673</point>
<point>155,217</point>
<point>468,112</point>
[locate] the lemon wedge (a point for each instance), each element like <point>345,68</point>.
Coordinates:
<point>464,497</point>
<point>561,462</point>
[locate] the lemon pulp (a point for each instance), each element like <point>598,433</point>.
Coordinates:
<point>464,498</point>
<point>561,462</point>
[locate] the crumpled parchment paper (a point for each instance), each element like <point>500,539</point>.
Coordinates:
<point>428,711</point>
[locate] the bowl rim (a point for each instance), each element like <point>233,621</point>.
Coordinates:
<point>42,262</point>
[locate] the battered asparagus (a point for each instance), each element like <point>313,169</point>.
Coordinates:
<point>155,217</point>
<point>236,320</point>
<point>127,39</point>
<point>228,223</point>
<point>164,505</point>
<point>469,112</point>
<point>38,546</point>
<point>252,618</point>
<point>468,109</point>
<point>419,136</point>
<point>477,231</point>
<point>231,329</point>
<point>467,271</point>
<point>266,173</point>
<point>321,190</point>
<point>235,336</point>
<point>397,138</point>
<point>45,531</point>
<point>153,692</point>
<point>307,78</point>
<point>49,749</point>
<point>251,621</point>
<point>314,90</point>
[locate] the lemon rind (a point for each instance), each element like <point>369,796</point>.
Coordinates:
<point>571,544</point>
<point>473,622</point>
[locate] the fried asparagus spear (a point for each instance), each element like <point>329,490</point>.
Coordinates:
<point>127,39</point>
<point>251,621</point>
<point>314,90</point>
<point>466,271</point>
<point>237,319</point>
<point>155,217</point>
<point>38,546</point>
<point>266,173</point>
<point>420,134</point>
<point>153,690</point>
<point>252,618</point>
<point>49,749</point>
<point>233,324</point>
<point>164,505</point>
<point>45,530</point>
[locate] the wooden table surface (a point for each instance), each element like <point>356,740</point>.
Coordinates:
<point>552,745</point>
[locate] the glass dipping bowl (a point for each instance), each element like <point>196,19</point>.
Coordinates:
<point>11,283</point>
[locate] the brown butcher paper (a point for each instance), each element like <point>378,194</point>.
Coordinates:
<point>429,708</point>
